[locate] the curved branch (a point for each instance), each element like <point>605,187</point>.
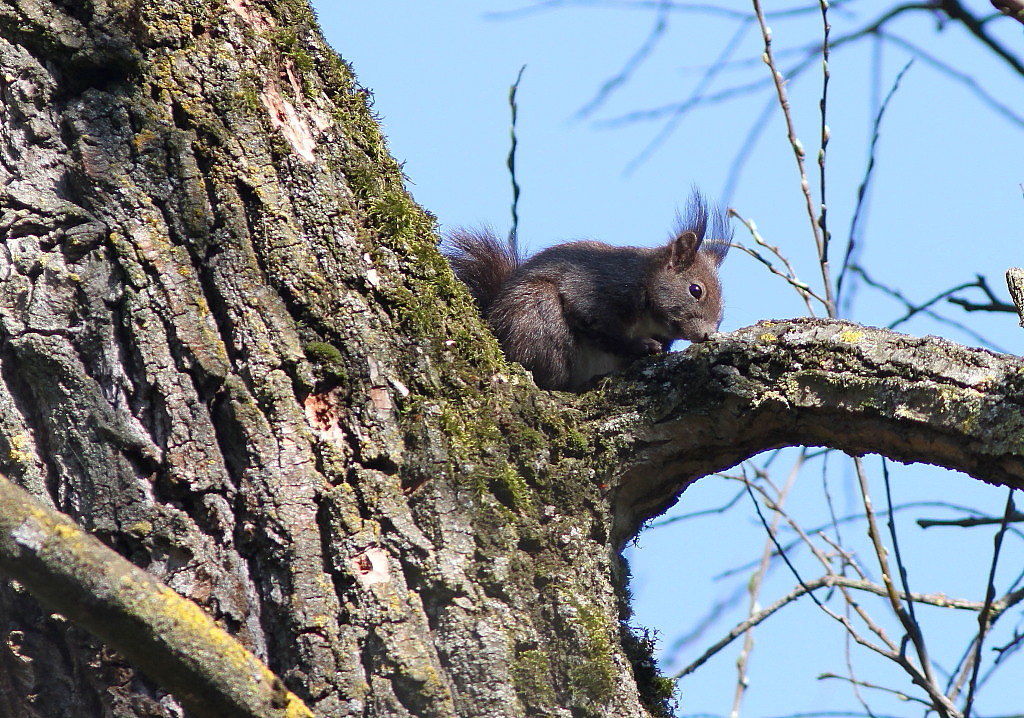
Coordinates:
<point>167,636</point>
<point>811,382</point>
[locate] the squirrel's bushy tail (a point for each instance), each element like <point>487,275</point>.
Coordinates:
<point>482,260</point>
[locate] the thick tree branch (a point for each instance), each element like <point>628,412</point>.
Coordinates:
<point>167,636</point>
<point>812,382</point>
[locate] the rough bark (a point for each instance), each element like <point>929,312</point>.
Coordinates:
<point>167,636</point>
<point>230,350</point>
<point>1015,283</point>
<point>815,383</point>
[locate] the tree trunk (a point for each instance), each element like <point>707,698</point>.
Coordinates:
<point>230,350</point>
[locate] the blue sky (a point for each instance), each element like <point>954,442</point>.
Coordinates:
<point>946,205</point>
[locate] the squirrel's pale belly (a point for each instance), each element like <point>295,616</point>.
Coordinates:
<point>592,362</point>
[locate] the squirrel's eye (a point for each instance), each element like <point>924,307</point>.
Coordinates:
<point>696,291</point>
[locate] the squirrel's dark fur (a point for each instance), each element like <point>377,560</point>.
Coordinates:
<point>582,309</point>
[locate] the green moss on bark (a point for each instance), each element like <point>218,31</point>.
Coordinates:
<point>594,675</point>
<point>532,675</point>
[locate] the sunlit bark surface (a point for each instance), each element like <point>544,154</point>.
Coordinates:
<point>230,350</point>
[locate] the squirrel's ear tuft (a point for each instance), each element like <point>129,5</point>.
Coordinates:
<point>683,250</point>
<point>703,228</point>
<point>717,245</point>
<point>716,249</point>
<point>688,233</point>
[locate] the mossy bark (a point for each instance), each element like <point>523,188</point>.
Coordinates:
<point>230,350</point>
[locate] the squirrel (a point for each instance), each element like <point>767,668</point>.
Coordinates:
<point>579,310</point>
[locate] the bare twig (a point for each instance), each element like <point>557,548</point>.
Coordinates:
<point>823,106</point>
<point>900,566</point>
<point>841,520</point>
<point>813,49</point>
<point>1016,642</point>
<point>918,308</point>
<point>798,153</point>
<point>694,8</point>
<point>704,512</point>
<point>683,7</point>
<point>950,71</point>
<point>710,617</point>
<point>802,288</point>
<point>827,566</point>
<point>939,701</point>
<point>993,303</point>
<point>513,233</point>
<point>828,581</point>
<point>746,149</point>
<point>1015,517</point>
<point>877,29</point>
<point>696,98</point>
<point>775,540</point>
<point>965,667</point>
<point>826,491</point>
<point>843,714</point>
<point>863,204</point>
<point>969,306</point>
<point>168,637</point>
<point>848,560</point>
<point>864,684</point>
<point>848,659</point>
<point>997,664</point>
<point>757,581</point>
<point>632,64</point>
<point>955,10</point>
<point>910,624</point>
<point>865,183</point>
<point>676,108</point>
<point>990,594</point>
<point>913,309</point>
